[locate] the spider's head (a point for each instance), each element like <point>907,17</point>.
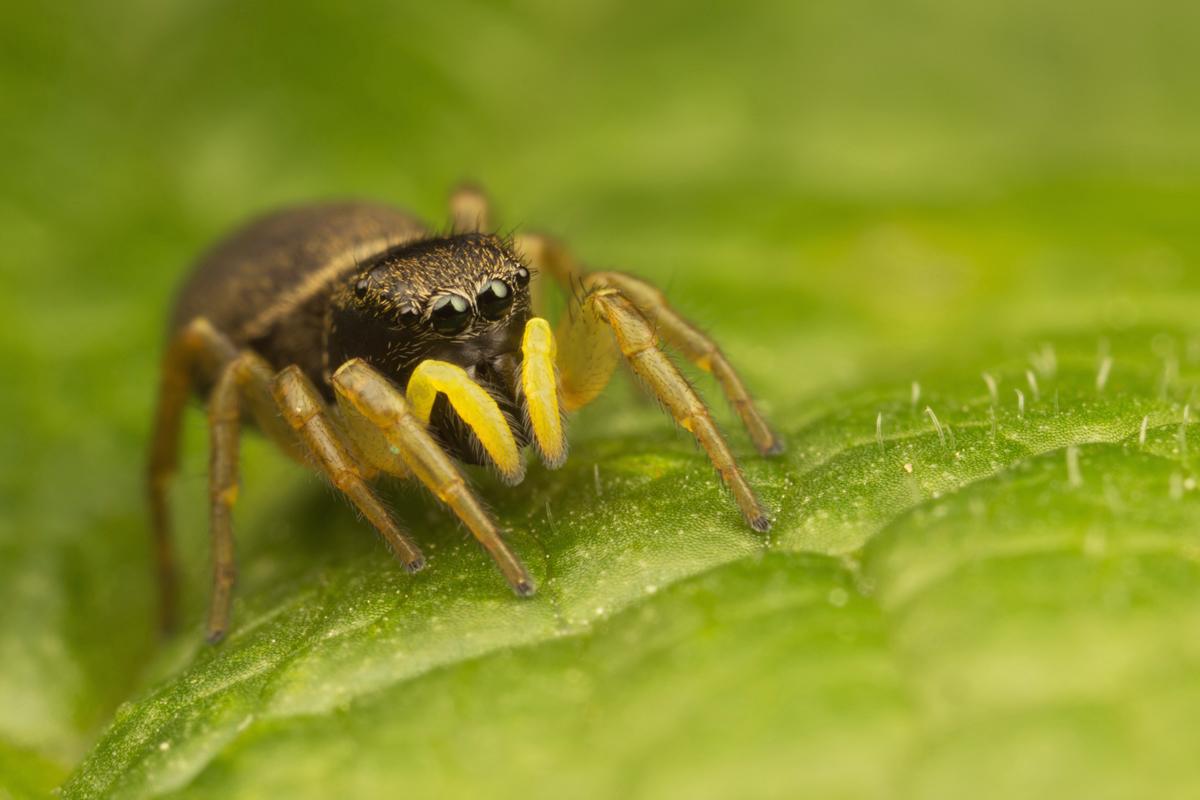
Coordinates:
<point>462,299</point>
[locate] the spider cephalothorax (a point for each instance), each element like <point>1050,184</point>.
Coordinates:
<point>363,345</point>
<point>462,300</point>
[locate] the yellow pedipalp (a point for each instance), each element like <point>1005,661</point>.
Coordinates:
<point>474,405</point>
<point>538,379</point>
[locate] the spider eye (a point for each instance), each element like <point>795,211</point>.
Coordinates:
<point>495,300</point>
<point>450,315</point>
<point>360,288</point>
<point>522,277</point>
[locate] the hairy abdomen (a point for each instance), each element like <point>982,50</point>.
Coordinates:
<point>267,286</point>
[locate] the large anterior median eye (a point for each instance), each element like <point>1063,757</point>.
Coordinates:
<point>450,315</point>
<point>494,300</point>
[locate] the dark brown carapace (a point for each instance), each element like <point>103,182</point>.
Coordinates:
<point>364,344</point>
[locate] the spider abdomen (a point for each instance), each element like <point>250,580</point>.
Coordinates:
<point>267,286</point>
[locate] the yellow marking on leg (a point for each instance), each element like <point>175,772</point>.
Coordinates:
<point>224,422</point>
<point>538,379</point>
<point>476,407</point>
<point>367,395</point>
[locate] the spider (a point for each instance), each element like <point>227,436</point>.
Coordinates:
<point>362,344</point>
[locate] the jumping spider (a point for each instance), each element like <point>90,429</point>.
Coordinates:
<point>363,344</point>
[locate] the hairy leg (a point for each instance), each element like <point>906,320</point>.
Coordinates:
<point>609,322</point>
<point>697,347</point>
<point>305,411</point>
<point>224,418</point>
<point>198,346</point>
<point>470,211</point>
<point>244,384</point>
<point>366,395</point>
<point>555,261</point>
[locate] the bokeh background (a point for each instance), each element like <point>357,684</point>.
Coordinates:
<point>844,193</point>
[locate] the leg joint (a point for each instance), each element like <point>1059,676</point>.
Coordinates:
<point>345,479</point>
<point>453,488</point>
<point>224,495</point>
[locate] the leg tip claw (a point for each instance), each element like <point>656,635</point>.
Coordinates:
<point>760,524</point>
<point>774,448</point>
<point>414,564</point>
<point>215,635</point>
<point>766,441</point>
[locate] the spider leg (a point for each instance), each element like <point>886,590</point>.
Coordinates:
<point>474,405</point>
<point>242,379</point>
<point>470,211</point>
<point>608,321</point>
<point>243,384</point>
<point>536,251</point>
<point>553,259</point>
<point>540,384</point>
<point>197,346</point>
<point>367,396</point>
<point>697,347</point>
<point>224,430</point>
<point>303,408</point>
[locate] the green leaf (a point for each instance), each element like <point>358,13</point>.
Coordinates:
<point>853,197</point>
<point>937,603</point>
<point>24,774</point>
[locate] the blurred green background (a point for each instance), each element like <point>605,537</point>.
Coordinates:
<point>849,195</point>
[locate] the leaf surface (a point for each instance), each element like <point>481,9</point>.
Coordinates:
<point>933,597</point>
<point>852,197</point>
